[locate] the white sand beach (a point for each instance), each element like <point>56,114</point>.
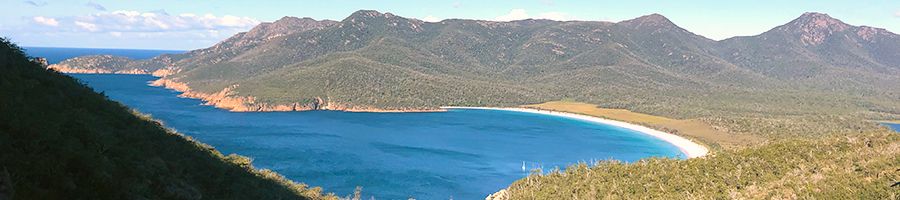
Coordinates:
<point>688,147</point>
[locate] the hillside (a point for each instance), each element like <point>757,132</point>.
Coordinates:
<point>835,164</point>
<point>860,166</point>
<point>374,61</point>
<point>818,52</point>
<point>61,140</point>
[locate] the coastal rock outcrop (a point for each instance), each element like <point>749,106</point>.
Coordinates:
<point>97,64</point>
<point>227,99</point>
<point>499,195</point>
<point>41,60</point>
<point>64,68</point>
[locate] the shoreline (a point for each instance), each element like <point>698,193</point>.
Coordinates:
<point>221,100</point>
<point>895,121</point>
<point>690,148</point>
<point>224,100</point>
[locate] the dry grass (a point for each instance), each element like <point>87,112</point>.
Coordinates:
<point>692,128</point>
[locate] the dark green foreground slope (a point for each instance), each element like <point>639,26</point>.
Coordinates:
<point>61,140</point>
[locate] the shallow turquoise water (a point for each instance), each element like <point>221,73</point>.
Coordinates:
<point>463,154</point>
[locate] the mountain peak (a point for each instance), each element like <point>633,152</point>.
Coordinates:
<point>287,19</point>
<point>819,20</point>
<point>654,17</point>
<point>300,23</point>
<point>284,26</point>
<point>368,14</point>
<point>813,28</point>
<point>815,15</point>
<point>651,20</point>
<point>377,22</point>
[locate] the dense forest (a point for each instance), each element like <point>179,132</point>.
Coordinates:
<point>61,140</point>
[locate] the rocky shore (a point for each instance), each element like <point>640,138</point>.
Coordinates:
<point>226,98</point>
<point>64,68</point>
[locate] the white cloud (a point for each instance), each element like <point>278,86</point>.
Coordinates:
<point>47,21</point>
<point>128,13</point>
<point>558,16</point>
<point>87,26</point>
<point>431,18</point>
<point>157,21</point>
<point>514,14</point>
<point>230,21</point>
<point>520,14</point>
<point>130,29</point>
<point>897,14</point>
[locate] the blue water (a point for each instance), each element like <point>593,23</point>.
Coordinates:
<point>55,54</point>
<point>463,154</point>
<point>896,127</point>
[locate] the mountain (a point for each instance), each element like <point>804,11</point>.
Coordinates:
<point>61,140</point>
<point>821,52</point>
<point>373,61</point>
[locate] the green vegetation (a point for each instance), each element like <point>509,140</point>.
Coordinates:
<point>61,140</point>
<point>788,112</point>
<point>859,166</point>
<point>647,65</point>
<point>823,157</point>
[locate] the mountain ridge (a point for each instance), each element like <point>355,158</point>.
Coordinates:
<point>531,61</point>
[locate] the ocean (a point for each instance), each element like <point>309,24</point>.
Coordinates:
<point>896,127</point>
<point>55,55</point>
<point>460,154</point>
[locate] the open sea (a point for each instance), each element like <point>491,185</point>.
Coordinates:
<point>460,154</point>
<point>55,55</point>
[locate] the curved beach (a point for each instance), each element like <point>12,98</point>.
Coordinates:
<point>688,147</point>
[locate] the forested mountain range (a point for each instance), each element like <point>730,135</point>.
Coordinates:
<point>374,61</point>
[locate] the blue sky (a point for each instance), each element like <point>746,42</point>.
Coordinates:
<point>182,24</point>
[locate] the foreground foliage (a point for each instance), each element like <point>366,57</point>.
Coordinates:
<point>61,140</point>
<point>858,166</point>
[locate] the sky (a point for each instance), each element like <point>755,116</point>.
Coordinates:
<point>186,24</point>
